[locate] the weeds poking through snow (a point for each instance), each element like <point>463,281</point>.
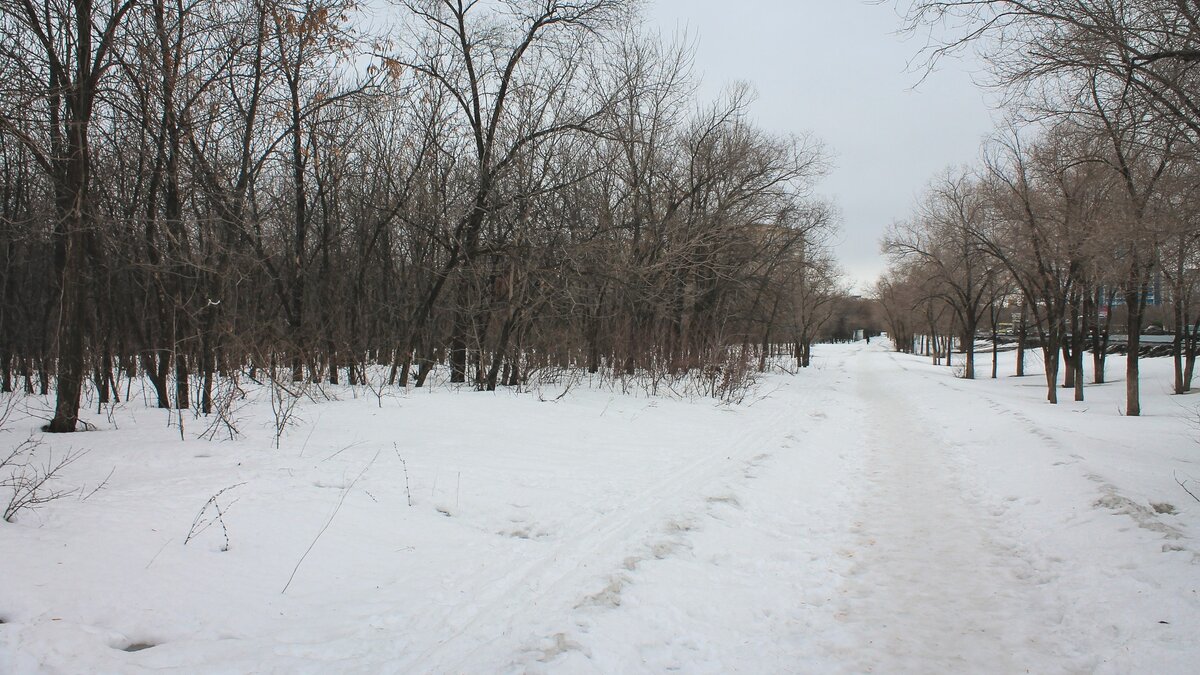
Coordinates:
<point>28,483</point>
<point>229,393</point>
<point>341,500</point>
<point>544,377</point>
<point>355,444</point>
<point>8,404</point>
<point>160,550</point>
<point>1183,483</point>
<point>284,400</point>
<point>84,496</point>
<point>729,377</point>
<point>404,464</point>
<point>283,405</point>
<point>379,387</point>
<point>211,513</point>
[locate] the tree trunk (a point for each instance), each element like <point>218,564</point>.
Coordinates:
<point>1177,343</point>
<point>1050,349</point>
<point>968,345</point>
<point>1077,357</point>
<point>995,351</point>
<point>1068,366</point>
<point>1100,338</point>
<point>206,392</point>
<point>181,381</point>
<point>458,350</point>
<point>155,365</point>
<point>6,378</point>
<point>1133,403</point>
<point>101,382</point>
<point>423,368</point>
<point>74,211</point>
<point>405,369</point>
<point>1021,351</point>
<point>501,347</point>
<point>27,372</point>
<point>1191,350</point>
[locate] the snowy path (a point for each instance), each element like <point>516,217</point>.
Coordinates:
<point>858,550</point>
<point>860,544</point>
<point>871,514</point>
<point>929,589</point>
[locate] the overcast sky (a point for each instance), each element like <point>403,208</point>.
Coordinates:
<point>838,69</point>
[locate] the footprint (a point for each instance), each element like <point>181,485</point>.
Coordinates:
<point>135,646</point>
<point>554,646</point>
<point>609,596</point>
<point>730,500</point>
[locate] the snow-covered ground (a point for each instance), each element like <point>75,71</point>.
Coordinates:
<point>870,514</point>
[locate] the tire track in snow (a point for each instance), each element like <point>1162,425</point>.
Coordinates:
<point>749,584</point>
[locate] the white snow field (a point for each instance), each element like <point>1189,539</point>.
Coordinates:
<point>870,514</point>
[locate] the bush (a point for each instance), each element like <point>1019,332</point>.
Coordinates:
<point>27,482</point>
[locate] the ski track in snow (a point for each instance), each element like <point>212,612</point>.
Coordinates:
<point>871,514</point>
<point>550,583</point>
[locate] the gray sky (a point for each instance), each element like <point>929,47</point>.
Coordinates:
<point>837,69</point>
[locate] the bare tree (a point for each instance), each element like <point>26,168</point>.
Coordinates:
<point>944,236</point>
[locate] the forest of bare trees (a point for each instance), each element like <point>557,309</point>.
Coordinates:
<point>1080,221</point>
<point>191,190</point>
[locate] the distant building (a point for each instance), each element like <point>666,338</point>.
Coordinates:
<point>1154,294</point>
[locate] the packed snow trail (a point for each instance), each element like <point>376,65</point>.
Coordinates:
<point>869,514</point>
<point>861,546</point>
<point>929,590</point>
<point>858,551</point>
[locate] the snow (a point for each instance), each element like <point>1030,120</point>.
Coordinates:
<point>869,514</point>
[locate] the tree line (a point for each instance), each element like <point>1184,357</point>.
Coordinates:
<point>1080,219</point>
<point>190,190</point>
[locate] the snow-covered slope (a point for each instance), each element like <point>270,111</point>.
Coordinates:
<point>869,514</point>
